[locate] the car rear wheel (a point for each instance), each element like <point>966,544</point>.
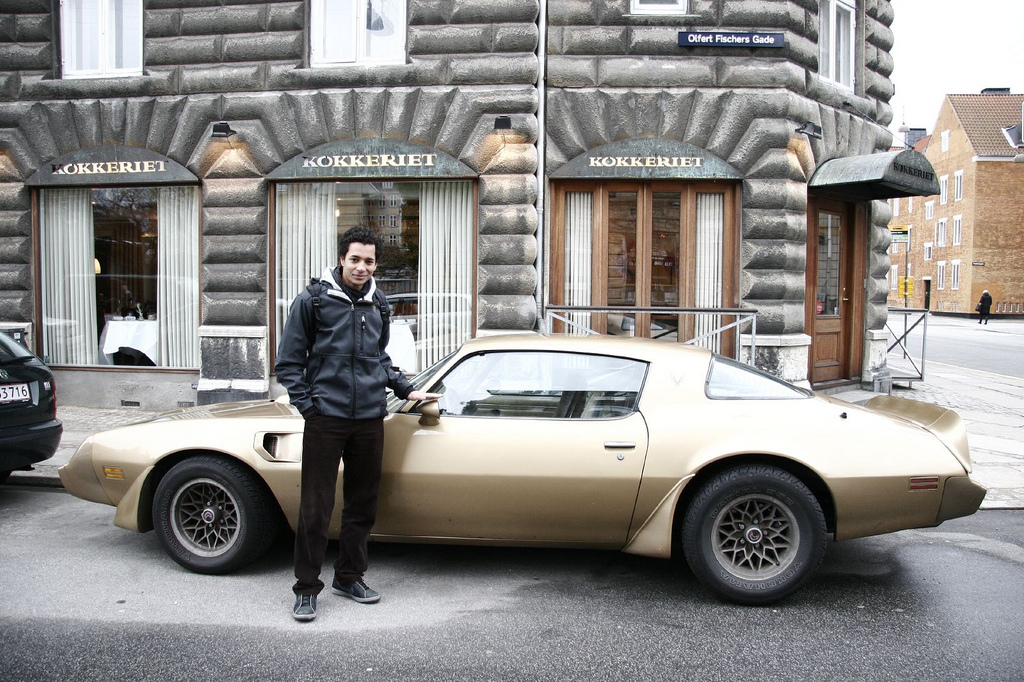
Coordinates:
<point>754,534</point>
<point>213,515</point>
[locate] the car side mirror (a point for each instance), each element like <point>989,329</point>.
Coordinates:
<point>430,413</point>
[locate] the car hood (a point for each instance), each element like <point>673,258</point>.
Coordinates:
<point>249,409</point>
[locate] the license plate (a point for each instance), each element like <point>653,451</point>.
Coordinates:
<point>14,393</point>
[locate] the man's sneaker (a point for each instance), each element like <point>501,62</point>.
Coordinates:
<point>305,607</point>
<point>357,591</point>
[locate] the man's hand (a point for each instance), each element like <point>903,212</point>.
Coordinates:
<point>423,395</point>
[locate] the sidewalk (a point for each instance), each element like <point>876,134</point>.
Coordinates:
<point>992,405</point>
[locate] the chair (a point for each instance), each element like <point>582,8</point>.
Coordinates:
<point>134,357</point>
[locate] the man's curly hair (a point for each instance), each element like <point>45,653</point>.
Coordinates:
<point>359,235</point>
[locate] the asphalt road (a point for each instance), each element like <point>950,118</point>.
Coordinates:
<point>83,600</point>
<point>996,347</point>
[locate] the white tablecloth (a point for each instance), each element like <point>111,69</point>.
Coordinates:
<point>138,334</point>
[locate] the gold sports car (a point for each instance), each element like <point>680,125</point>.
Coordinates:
<point>641,446</point>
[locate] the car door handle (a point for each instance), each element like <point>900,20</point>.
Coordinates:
<point>620,444</point>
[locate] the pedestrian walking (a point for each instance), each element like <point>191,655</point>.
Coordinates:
<point>333,363</point>
<point>984,307</point>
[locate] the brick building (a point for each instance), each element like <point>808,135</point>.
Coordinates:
<point>173,171</point>
<point>968,238</point>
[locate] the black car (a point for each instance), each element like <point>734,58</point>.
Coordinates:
<point>29,429</point>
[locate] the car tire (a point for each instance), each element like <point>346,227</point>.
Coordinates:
<point>754,534</point>
<point>213,515</point>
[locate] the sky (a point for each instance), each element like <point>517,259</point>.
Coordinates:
<point>952,47</point>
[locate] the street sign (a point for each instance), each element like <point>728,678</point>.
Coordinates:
<point>900,236</point>
<point>906,286</point>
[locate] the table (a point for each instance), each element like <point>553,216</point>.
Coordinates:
<point>138,334</point>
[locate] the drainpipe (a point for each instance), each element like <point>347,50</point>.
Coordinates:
<point>542,47</point>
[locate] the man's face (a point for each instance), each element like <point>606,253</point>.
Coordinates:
<point>358,264</point>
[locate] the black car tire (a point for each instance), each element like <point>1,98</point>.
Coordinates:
<point>213,515</point>
<point>754,534</point>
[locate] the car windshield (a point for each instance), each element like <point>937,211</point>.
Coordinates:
<point>11,350</point>
<point>728,379</point>
<point>418,382</point>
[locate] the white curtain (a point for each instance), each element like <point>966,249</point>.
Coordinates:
<point>68,277</point>
<point>579,259</point>
<point>708,273</point>
<point>307,240</point>
<point>445,269</point>
<point>177,299</point>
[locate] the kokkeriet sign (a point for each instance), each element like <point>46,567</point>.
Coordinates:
<point>730,39</point>
<point>105,167</point>
<point>648,158</point>
<point>371,157</point>
<point>369,161</point>
<point>646,161</point>
<point>111,164</point>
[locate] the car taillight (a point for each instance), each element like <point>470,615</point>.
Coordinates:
<point>53,396</point>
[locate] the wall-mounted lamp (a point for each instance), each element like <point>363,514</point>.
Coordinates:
<point>810,130</point>
<point>222,129</point>
<point>503,123</point>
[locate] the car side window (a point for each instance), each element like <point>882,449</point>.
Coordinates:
<point>728,379</point>
<point>542,385</point>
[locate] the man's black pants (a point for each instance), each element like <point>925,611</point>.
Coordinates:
<point>326,442</point>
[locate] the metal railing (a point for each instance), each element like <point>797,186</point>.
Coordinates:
<point>906,368</point>
<point>742,315</point>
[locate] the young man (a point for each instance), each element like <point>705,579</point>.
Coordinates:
<point>331,360</point>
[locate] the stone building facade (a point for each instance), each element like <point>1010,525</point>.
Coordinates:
<point>968,238</point>
<point>666,147</point>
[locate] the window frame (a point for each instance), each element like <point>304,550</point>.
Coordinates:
<point>944,140</point>
<point>664,8</point>
<point>943,190</point>
<point>940,231</point>
<point>954,280</point>
<point>940,275</point>
<point>958,229</point>
<point>929,209</point>
<point>318,24</point>
<point>105,44</point>
<point>828,45</point>
<point>958,185</point>
<point>928,248</point>
<point>894,277</point>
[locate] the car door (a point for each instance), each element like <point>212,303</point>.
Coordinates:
<point>531,447</point>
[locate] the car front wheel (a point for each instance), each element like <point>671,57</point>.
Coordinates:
<point>213,515</point>
<point>754,534</point>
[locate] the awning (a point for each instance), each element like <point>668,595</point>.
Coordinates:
<point>877,176</point>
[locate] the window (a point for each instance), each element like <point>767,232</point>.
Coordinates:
<point>657,6</point>
<point>940,232</point>
<point>929,210</point>
<point>357,32</point>
<point>958,185</point>
<point>955,275</point>
<point>120,276</point>
<point>894,277</point>
<point>910,204</point>
<point>940,274</point>
<point>101,38</point>
<point>896,207</point>
<point>943,190</point>
<point>536,385</point>
<point>835,41</point>
<point>945,140</point>
<point>650,244</point>
<point>894,248</point>
<point>731,379</point>
<point>431,258</point>
<point>927,250</point>
<point>958,222</point>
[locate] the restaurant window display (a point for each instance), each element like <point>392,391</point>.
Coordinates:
<point>652,244</point>
<point>426,268</point>
<point>119,276</point>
